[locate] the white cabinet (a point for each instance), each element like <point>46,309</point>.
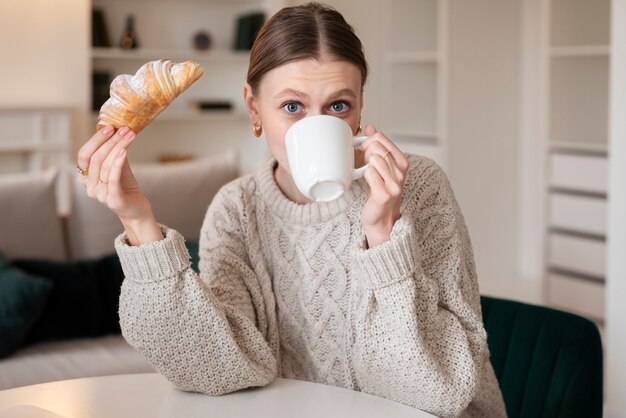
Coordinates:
<point>579,172</point>
<point>166,29</point>
<point>414,75</point>
<point>576,254</point>
<point>34,139</point>
<point>577,66</point>
<point>567,291</point>
<point>586,214</point>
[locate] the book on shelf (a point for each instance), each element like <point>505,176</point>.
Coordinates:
<point>247,27</point>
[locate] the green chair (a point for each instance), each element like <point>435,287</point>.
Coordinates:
<point>548,362</point>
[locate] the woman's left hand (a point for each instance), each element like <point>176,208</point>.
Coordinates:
<point>386,173</point>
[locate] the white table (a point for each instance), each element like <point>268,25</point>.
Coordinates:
<point>150,395</point>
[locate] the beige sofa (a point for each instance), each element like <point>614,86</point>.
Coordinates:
<point>31,229</point>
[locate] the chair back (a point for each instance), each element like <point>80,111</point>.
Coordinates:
<point>548,362</point>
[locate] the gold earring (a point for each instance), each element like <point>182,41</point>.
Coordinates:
<point>258,130</point>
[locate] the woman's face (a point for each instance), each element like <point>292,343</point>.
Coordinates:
<point>304,88</point>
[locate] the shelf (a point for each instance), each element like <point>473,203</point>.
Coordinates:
<point>147,54</point>
<point>426,137</point>
<point>217,2</point>
<point>578,147</point>
<point>580,51</point>
<point>204,2</point>
<point>19,148</point>
<point>192,116</point>
<point>429,57</point>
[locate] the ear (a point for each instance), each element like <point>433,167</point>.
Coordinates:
<point>251,104</point>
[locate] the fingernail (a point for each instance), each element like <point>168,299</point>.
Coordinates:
<point>107,130</point>
<point>129,136</point>
<point>123,131</point>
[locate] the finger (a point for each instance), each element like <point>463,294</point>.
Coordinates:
<point>392,184</point>
<point>124,143</point>
<point>374,148</point>
<point>101,191</point>
<point>378,191</point>
<point>398,174</point>
<point>114,180</point>
<point>393,149</point>
<point>92,145</point>
<point>369,130</point>
<point>97,158</point>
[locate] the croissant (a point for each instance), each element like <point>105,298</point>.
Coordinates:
<point>136,100</point>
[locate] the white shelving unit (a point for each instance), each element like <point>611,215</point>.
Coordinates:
<point>577,67</point>
<point>165,30</point>
<point>239,57</point>
<point>34,139</point>
<point>414,76</point>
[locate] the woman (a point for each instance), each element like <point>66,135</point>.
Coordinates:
<point>375,291</point>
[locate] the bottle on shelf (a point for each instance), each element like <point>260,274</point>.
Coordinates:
<point>129,38</point>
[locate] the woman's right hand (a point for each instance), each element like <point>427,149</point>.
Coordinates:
<point>110,180</point>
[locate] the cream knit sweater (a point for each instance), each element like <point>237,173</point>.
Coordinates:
<point>290,290</point>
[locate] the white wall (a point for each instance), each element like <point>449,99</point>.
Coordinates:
<point>44,52</point>
<point>483,152</point>
<point>616,277</point>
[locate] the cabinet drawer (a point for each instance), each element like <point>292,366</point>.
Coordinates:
<point>580,173</point>
<point>576,254</point>
<point>578,213</point>
<point>577,295</point>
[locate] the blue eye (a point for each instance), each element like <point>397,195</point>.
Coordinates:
<point>292,107</point>
<point>339,107</point>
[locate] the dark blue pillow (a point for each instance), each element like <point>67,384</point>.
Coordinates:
<point>193,247</point>
<point>22,300</point>
<point>85,298</point>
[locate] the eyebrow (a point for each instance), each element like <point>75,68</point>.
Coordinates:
<point>342,92</point>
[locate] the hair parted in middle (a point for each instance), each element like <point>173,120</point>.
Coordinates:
<point>310,31</point>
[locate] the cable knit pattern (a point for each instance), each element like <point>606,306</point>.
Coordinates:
<point>290,290</point>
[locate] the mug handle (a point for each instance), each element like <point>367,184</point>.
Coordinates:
<point>357,173</point>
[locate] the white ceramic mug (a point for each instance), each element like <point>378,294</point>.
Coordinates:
<point>320,150</point>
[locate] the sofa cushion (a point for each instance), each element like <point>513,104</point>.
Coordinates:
<point>29,225</point>
<point>179,193</point>
<point>71,359</point>
<point>22,300</point>
<point>84,300</point>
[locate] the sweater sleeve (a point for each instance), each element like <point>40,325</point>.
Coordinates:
<point>418,335</point>
<point>205,333</point>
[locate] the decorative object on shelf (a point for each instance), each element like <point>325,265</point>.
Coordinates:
<point>100,89</point>
<point>99,32</point>
<point>247,27</point>
<point>136,100</point>
<point>174,157</point>
<point>213,105</point>
<point>202,41</point>
<point>129,39</point>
